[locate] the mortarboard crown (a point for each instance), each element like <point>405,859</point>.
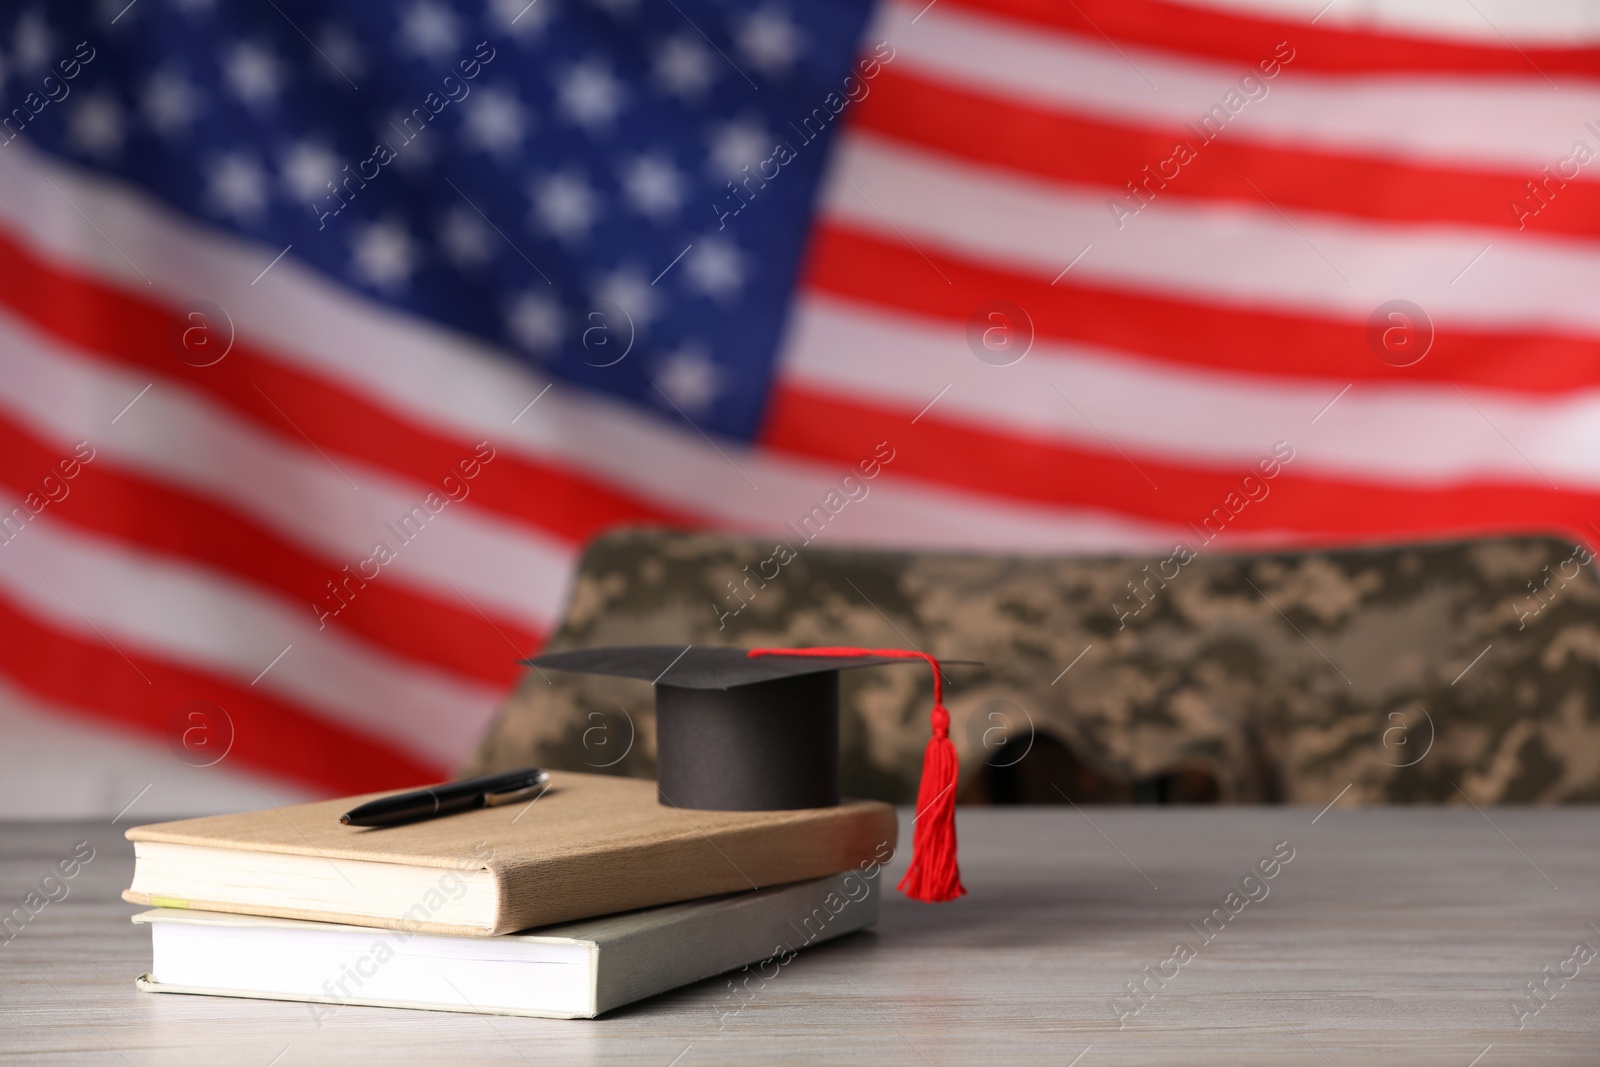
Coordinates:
<point>758,730</point>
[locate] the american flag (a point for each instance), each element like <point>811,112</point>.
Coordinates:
<point>331,331</point>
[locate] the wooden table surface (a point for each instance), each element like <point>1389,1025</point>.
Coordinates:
<point>1394,935</point>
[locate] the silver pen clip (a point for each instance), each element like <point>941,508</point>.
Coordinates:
<point>534,787</point>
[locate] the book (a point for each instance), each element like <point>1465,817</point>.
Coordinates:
<point>590,845</point>
<point>570,971</point>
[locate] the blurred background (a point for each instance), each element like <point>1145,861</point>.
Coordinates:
<point>331,333</point>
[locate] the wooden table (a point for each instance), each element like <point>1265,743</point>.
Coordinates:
<point>1393,936</point>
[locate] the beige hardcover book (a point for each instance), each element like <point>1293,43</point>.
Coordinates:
<point>590,845</point>
<point>575,970</point>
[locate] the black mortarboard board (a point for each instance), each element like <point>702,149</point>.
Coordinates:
<point>735,732</point>
<point>758,730</point>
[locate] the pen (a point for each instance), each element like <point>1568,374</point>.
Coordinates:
<point>449,798</point>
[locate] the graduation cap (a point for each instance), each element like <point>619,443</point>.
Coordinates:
<point>758,730</point>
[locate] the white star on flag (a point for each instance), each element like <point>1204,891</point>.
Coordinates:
<point>534,320</point>
<point>690,379</point>
<point>653,186</point>
<point>523,19</point>
<point>237,186</point>
<point>170,103</point>
<point>565,205</point>
<point>630,289</point>
<point>495,121</point>
<point>769,41</point>
<point>34,45</point>
<point>307,169</point>
<point>715,268</point>
<point>96,126</point>
<point>466,240</point>
<point>685,67</point>
<point>588,95</point>
<point>253,74</point>
<point>739,144</point>
<point>430,30</point>
<point>384,255</point>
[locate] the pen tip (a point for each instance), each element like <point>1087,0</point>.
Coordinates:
<point>344,820</point>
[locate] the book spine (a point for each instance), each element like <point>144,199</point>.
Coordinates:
<point>759,932</point>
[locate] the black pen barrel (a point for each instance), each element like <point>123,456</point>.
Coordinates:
<point>410,807</point>
<point>446,799</point>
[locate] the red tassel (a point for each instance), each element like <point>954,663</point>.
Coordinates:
<point>934,876</point>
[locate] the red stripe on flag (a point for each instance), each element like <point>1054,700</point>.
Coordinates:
<point>1060,146</point>
<point>885,273</point>
<point>1315,508</point>
<point>172,521</point>
<point>1216,33</point>
<point>269,734</point>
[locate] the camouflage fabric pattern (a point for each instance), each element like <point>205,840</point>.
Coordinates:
<point>1417,673</point>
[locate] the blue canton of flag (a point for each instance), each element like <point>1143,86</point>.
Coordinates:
<point>578,183</point>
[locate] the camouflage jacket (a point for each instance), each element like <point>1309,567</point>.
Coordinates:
<point>1428,672</point>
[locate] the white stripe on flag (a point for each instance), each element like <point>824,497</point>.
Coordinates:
<point>1555,23</point>
<point>1503,123</point>
<point>102,590</point>
<point>1423,435</point>
<point>1222,253</point>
